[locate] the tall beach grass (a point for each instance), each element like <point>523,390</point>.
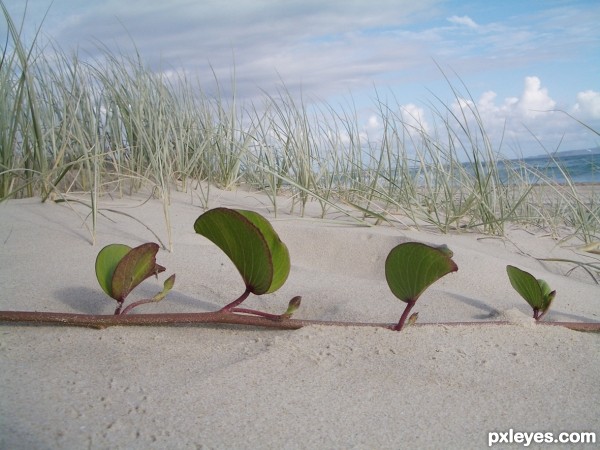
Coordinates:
<point>113,126</point>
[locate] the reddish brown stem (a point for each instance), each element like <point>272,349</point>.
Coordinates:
<point>239,300</point>
<point>404,315</point>
<point>541,316</point>
<point>103,321</point>
<point>138,303</point>
<point>254,312</point>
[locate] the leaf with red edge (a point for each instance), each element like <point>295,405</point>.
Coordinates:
<point>136,266</point>
<point>251,243</point>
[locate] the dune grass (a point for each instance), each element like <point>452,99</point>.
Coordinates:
<point>113,126</point>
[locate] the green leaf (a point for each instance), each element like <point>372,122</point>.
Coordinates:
<point>106,263</point>
<point>537,293</point>
<point>251,243</point>
<point>545,287</point>
<point>167,286</point>
<point>137,265</point>
<point>280,256</point>
<point>412,267</point>
<point>293,306</point>
<point>526,285</point>
<point>548,295</point>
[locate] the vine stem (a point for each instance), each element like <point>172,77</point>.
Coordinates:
<point>133,305</point>
<point>236,302</point>
<point>254,312</point>
<point>219,317</point>
<point>409,306</point>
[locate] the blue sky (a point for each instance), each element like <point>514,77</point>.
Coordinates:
<point>517,58</point>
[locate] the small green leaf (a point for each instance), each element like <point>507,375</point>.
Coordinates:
<point>137,265</point>
<point>106,262</point>
<point>548,295</point>
<point>251,243</point>
<point>537,293</point>
<point>412,267</point>
<point>167,286</point>
<point>413,318</point>
<point>445,250</point>
<point>293,306</point>
<point>526,285</point>
<point>545,287</point>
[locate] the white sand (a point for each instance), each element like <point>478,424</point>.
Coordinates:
<point>318,387</point>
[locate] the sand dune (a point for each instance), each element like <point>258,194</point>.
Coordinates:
<point>318,387</point>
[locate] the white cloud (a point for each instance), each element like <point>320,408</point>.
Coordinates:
<point>524,125</point>
<point>487,104</point>
<point>415,116</point>
<point>534,102</point>
<point>373,122</point>
<point>323,48</point>
<point>588,104</point>
<point>531,124</point>
<point>535,99</point>
<point>328,49</point>
<point>463,20</point>
<point>319,47</point>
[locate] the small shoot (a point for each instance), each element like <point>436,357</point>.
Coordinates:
<point>120,269</point>
<point>293,306</point>
<point>411,268</point>
<point>251,243</point>
<point>413,318</point>
<point>536,292</point>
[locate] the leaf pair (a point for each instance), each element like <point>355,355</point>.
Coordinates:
<point>536,292</point>
<point>120,269</point>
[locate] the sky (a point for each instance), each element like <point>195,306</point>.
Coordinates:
<point>520,61</point>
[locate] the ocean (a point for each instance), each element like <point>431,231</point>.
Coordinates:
<point>560,168</point>
<point>578,167</point>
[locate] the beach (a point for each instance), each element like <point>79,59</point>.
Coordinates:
<point>227,386</point>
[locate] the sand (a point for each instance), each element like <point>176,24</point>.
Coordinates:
<point>224,386</point>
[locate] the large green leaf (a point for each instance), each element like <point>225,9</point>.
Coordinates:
<point>137,265</point>
<point>106,263</point>
<point>536,292</point>
<point>280,256</point>
<point>249,240</point>
<point>412,267</point>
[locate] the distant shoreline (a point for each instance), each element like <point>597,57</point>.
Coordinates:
<point>595,151</point>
